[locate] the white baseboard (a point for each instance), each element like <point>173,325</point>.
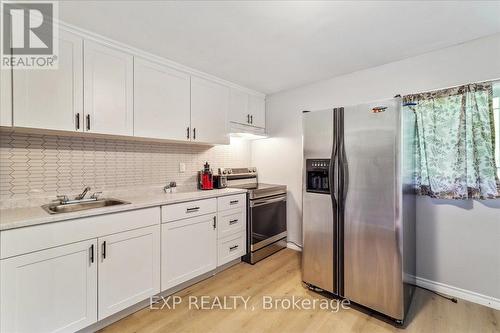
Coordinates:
<point>293,247</point>
<point>439,287</point>
<point>464,294</point>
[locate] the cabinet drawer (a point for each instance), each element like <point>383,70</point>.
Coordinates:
<point>231,222</point>
<point>232,202</point>
<point>188,209</point>
<point>231,248</point>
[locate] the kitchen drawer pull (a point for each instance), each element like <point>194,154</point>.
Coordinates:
<point>233,202</point>
<point>192,209</point>
<point>233,222</point>
<point>232,248</point>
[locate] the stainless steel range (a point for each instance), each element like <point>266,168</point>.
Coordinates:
<point>266,214</point>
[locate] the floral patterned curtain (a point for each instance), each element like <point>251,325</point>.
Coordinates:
<point>455,142</point>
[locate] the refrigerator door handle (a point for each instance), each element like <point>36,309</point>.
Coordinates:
<point>333,171</point>
<point>333,163</point>
<point>344,169</point>
<point>345,172</point>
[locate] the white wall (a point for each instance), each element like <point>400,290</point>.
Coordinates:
<point>458,242</point>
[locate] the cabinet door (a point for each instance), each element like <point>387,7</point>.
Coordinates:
<point>238,107</point>
<point>257,110</point>
<point>129,269</point>
<point>209,108</point>
<point>53,290</point>
<point>5,97</point>
<point>108,90</point>
<point>188,249</point>
<point>161,101</point>
<point>52,98</point>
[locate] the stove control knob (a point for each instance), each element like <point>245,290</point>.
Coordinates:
<point>229,171</point>
<point>224,172</point>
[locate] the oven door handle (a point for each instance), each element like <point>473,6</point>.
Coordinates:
<point>258,203</point>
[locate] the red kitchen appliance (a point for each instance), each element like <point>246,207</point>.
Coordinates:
<point>205,178</point>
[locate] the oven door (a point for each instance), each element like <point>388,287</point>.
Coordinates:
<point>267,221</point>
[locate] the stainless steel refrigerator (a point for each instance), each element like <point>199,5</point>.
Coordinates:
<point>359,204</point>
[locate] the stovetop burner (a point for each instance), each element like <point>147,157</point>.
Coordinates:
<point>247,178</point>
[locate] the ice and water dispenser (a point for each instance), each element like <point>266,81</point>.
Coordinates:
<point>317,173</point>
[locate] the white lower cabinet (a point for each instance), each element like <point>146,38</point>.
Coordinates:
<point>188,249</point>
<point>232,217</point>
<point>53,290</point>
<point>129,269</point>
<point>112,261</point>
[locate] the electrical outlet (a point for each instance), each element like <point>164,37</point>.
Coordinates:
<point>182,167</point>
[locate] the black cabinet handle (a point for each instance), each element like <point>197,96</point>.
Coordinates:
<point>233,202</point>
<point>192,209</point>
<point>232,248</point>
<point>233,222</point>
<point>248,119</point>
<point>88,122</point>
<point>104,250</point>
<point>92,253</point>
<point>215,223</point>
<point>251,119</point>
<point>194,133</point>
<point>187,132</point>
<point>77,121</point>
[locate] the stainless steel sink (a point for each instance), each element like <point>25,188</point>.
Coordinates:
<point>58,208</point>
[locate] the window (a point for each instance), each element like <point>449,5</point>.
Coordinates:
<point>455,157</point>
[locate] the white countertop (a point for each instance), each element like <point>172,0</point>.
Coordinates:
<point>22,217</point>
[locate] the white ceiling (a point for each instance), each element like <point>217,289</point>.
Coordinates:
<point>275,45</point>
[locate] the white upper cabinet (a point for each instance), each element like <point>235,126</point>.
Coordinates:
<point>108,90</point>
<point>257,110</point>
<point>53,290</point>
<point>238,107</point>
<point>247,109</point>
<point>52,98</point>
<point>161,101</point>
<point>209,109</point>
<point>5,97</point>
<point>100,88</point>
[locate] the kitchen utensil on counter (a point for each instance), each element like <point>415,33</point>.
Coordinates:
<point>205,178</point>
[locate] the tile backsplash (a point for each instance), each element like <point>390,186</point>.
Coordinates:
<point>35,168</point>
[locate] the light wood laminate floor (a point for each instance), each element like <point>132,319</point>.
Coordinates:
<point>279,276</point>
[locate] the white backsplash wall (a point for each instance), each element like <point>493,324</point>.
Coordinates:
<point>34,168</point>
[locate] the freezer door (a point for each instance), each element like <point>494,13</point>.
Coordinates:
<point>318,267</point>
<point>372,247</point>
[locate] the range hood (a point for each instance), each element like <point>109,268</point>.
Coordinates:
<point>247,132</point>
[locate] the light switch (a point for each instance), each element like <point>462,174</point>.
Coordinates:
<point>182,167</point>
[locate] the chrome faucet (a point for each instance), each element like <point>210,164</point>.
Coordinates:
<point>169,187</point>
<point>82,195</point>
